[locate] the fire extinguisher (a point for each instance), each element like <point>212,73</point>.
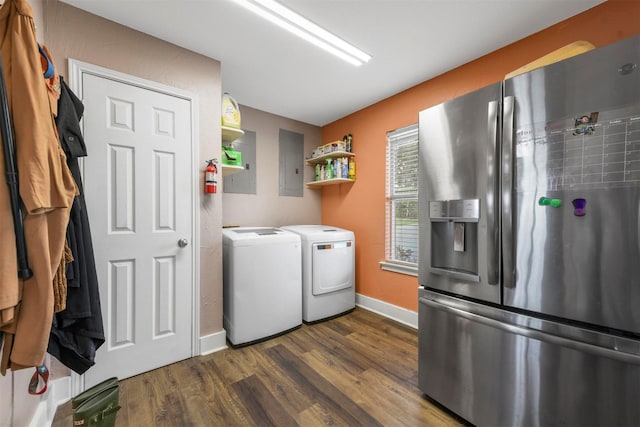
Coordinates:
<point>210,177</point>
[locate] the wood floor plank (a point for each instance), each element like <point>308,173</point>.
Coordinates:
<point>375,354</point>
<point>401,336</point>
<point>272,375</point>
<point>337,346</point>
<point>380,348</point>
<point>317,415</point>
<point>222,403</point>
<point>338,326</point>
<point>356,369</point>
<point>174,403</point>
<point>321,390</point>
<point>394,361</point>
<point>357,390</point>
<point>336,341</point>
<point>140,397</point>
<point>190,406</point>
<point>230,368</point>
<point>264,408</point>
<point>408,406</point>
<point>381,396</point>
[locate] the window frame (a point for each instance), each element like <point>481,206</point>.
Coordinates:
<point>396,139</point>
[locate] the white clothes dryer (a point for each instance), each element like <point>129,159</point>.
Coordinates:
<point>328,271</point>
<point>262,274</point>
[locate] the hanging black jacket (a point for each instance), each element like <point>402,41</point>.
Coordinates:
<point>77,331</point>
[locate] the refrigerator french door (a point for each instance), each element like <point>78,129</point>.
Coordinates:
<point>530,246</point>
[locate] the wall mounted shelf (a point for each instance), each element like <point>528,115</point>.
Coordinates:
<point>230,134</point>
<point>323,159</point>
<point>332,181</point>
<point>228,170</point>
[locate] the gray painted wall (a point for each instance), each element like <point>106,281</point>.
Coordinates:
<point>267,207</point>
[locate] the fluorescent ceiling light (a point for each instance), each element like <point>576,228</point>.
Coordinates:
<point>289,20</point>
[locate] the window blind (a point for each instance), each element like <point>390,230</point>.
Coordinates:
<point>402,196</point>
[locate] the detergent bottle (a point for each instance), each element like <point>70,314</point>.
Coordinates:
<point>352,169</point>
<point>230,112</point>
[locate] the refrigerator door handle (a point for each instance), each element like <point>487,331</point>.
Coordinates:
<point>455,274</point>
<point>508,275</point>
<point>492,201</point>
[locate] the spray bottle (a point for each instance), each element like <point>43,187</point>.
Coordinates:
<point>329,170</point>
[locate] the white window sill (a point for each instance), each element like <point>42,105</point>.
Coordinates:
<point>395,267</point>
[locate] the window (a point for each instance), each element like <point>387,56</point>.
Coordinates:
<point>402,200</point>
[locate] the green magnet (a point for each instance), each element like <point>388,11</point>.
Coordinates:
<point>546,201</point>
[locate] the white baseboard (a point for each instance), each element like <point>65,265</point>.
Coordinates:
<point>58,393</point>
<point>399,314</point>
<point>213,342</point>
<point>61,392</point>
<point>40,416</point>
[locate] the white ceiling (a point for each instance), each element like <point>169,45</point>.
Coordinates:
<point>266,68</point>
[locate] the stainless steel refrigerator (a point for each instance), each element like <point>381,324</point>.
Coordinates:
<point>529,270</point>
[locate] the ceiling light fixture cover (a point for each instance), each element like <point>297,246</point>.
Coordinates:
<point>289,20</point>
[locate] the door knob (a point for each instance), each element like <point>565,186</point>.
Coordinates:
<point>183,242</point>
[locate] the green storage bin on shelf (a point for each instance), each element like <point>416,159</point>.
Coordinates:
<point>231,157</point>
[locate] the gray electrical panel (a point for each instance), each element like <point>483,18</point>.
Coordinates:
<point>291,163</point>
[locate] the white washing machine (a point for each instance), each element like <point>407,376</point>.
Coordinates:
<point>261,283</point>
<point>328,271</point>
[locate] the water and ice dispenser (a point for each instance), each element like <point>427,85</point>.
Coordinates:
<point>454,238</point>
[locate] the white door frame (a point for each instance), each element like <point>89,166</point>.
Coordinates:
<point>76,70</point>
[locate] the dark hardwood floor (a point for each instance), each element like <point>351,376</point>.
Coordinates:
<point>357,369</point>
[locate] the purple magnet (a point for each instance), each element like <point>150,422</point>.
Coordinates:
<point>579,205</point>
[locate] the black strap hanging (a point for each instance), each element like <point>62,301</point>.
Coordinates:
<point>24,272</point>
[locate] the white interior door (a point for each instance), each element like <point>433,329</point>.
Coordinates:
<point>138,185</point>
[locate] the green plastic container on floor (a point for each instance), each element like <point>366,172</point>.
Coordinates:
<point>90,392</point>
<point>100,410</point>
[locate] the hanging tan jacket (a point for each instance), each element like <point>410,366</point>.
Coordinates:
<point>47,190</point>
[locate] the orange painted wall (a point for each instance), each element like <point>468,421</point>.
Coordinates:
<point>361,206</point>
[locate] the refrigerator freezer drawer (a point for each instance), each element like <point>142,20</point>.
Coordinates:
<point>491,372</point>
